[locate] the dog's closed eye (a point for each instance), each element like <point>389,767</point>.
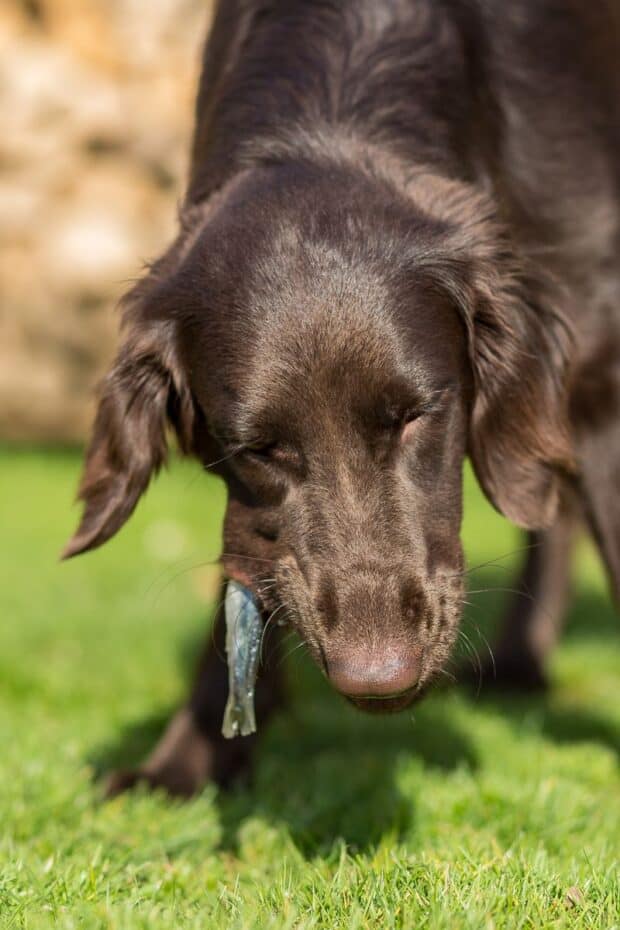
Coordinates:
<point>262,450</point>
<point>401,422</point>
<point>409,424</point>
<point>404,421</point>
<point>273,452</point>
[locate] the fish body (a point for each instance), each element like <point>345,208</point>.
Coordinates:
<point>243,637</point>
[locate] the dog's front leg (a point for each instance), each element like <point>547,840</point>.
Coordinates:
<point>535,615</point>
<point>192,750</point>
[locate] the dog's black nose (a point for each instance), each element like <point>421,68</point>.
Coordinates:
<point>361,675</point>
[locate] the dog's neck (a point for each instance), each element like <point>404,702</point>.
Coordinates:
<point>395,84</point>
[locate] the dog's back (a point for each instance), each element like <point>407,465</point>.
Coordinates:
<point>525,95</point>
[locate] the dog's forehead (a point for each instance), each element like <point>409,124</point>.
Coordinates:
<point>339,358</point>
<point>316,327</point>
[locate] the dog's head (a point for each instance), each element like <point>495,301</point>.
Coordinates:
<point>334,347</point>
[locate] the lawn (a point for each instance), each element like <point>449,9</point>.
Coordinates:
<point>469,812</point>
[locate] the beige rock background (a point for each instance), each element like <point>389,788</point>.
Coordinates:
<point>96,99</point>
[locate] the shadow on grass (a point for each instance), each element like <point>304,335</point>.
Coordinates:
<point>560,724</point>
<point>591,620</point>
<point>323,771</point>
<point>329,774</point>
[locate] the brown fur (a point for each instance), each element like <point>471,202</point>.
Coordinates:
<point>399,245</point>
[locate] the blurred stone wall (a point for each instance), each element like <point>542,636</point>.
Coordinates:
<point>96,99</point>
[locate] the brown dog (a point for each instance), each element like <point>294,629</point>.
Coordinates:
<point>400,245</point>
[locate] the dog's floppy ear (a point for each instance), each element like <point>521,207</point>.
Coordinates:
<point>146,392</point>
<point>519,439</point>
<point>520,348</point>
<point>143,394</point>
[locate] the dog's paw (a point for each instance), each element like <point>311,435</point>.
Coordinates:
<point>177,783</point>
<point>184,761</point>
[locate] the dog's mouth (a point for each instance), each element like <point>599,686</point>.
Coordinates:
<point>388,704</point>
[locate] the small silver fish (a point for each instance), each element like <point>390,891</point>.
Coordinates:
<point>243,635</point>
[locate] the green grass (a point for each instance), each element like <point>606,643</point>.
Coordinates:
<point>473,813</point>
